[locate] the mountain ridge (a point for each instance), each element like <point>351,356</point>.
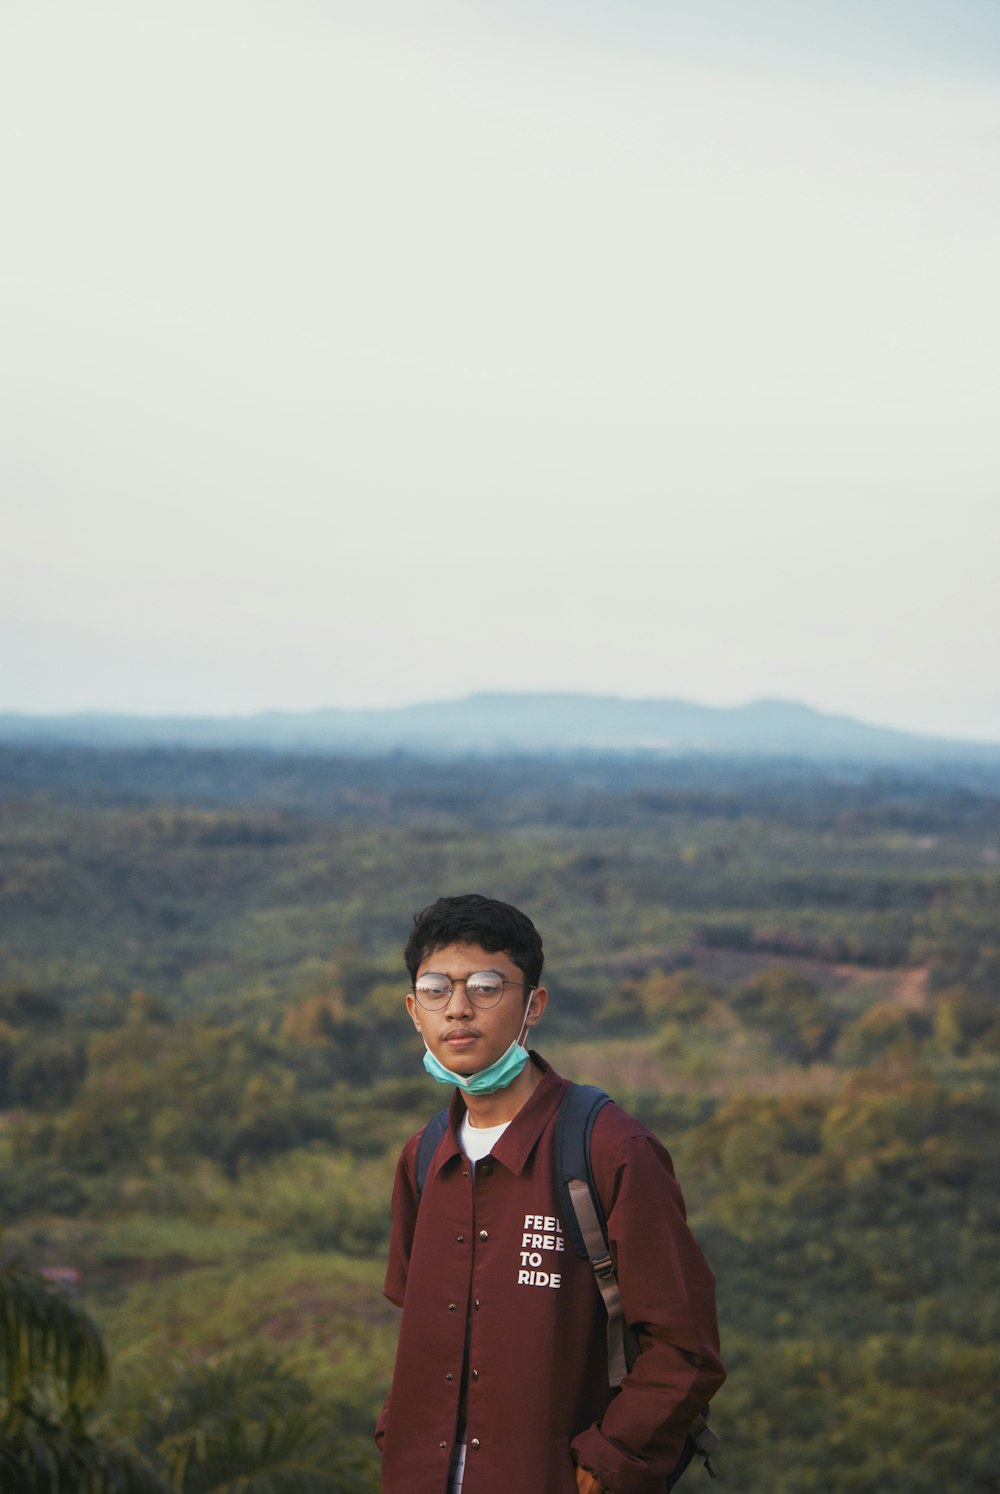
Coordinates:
<point>490,722</point>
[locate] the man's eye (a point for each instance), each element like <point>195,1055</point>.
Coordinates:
<point>484,986</point>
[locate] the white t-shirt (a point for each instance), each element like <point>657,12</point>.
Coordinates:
<point>479,1141</point>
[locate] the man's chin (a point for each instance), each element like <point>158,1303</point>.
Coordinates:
<point>462,1063</point>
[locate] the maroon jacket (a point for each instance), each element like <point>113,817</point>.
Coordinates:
<point>484,1259</point>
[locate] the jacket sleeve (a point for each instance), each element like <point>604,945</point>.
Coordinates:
<point>381,1424</point>
<point>668,1296</point>
<point>404,1216</point>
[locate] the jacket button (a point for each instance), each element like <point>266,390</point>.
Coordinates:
<point>475,1375</point>
<point>449,1376</point>
<point>484,1234</point>
<point>443,1446</point>
<point>474,1444</point>
<point>476,1304</point>
<point>451,1307</point>
<point>460,1239</point>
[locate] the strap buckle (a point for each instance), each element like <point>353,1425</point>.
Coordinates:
<point>604,1266</point>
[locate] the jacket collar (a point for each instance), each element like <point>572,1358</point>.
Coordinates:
<point>518,1141</point>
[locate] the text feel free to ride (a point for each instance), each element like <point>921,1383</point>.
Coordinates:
<point>542,1232</point>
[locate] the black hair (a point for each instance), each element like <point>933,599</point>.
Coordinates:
<point>474,919</point>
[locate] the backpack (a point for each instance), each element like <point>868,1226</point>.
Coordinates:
<point>586,1229</point>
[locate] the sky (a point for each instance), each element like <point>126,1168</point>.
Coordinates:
<point>357,355</point>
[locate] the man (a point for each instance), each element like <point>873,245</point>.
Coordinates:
<point>501,1378</point>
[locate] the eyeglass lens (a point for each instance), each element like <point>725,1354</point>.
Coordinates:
<point>484,988</point>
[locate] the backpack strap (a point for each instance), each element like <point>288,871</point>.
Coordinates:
<point>428,1145</point>
<point>583,1215</point>
<point>577,1113</point>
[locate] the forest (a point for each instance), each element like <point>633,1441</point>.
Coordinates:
<point>792,973</point>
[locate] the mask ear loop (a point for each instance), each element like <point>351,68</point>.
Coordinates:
<point>527,1013</point>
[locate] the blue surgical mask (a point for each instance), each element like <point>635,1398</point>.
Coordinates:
<point>496,1076</point>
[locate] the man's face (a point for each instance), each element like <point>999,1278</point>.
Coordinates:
<point>467,1038</point>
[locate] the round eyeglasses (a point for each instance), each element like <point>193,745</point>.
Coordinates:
<point>483,988</point>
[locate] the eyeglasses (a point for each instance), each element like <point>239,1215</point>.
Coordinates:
<point>484,988</point>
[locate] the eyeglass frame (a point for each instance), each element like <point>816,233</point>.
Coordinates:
<point>463,980</point>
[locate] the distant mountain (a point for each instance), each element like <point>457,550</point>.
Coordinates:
<point>517,723</point>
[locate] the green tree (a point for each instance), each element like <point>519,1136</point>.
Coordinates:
<point>243,1424</point>
<point>248,1424</point>
<point>53,1370</point>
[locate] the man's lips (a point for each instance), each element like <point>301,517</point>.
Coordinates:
<point>460,1039</point>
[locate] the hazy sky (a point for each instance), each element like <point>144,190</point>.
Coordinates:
<point>357,354</point>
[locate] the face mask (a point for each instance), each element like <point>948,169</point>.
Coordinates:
<point>497,1076</point>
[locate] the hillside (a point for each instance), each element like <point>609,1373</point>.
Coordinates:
<point>205,1070</point>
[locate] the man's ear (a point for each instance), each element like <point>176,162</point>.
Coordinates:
<point>537,1003</point>
<point>411,1007</point>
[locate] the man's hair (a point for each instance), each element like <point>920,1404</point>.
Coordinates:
<point>474,919</point>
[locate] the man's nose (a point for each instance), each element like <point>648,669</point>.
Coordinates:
<point>463,1006</point>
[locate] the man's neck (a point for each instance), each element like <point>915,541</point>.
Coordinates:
<point>504,1104</point>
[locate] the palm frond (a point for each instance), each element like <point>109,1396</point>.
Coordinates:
<point>292,1454</point>
<point>54,1460</point>
<point>248,1424</point>
<point>50,1350</point>
<point>254,1386</point>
